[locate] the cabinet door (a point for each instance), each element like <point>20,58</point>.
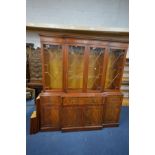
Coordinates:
<point>93,115</point>
<point>71,117</point>
<point>75,67</point>
<point>95,68</point>
<point>52,66</point>
<point>50,107</point>
<point>116,58</point>
<point>50,117</point>
<point>112,109</point>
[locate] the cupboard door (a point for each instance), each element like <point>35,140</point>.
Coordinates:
<point>50,107</point>
<point>53,66</point>
<point>72,117</point>
<point>75,67</point>
<point>93,115</point>
<point>112,109</point>
<point>50,117</point>
<point>95,68</point>
<point>114,68</point>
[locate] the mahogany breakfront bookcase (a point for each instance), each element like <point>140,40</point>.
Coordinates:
<point>81,81</point>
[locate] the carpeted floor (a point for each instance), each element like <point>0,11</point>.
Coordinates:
<point>108,141</point>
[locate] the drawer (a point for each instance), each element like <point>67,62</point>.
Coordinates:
<point>91,100</point>
<point>82,100</point>
<point>114,99</point>
<point>54,100</point>
<point>70,100</point>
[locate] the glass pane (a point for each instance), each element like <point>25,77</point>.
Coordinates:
<point>75,66</point>
<point>53,66</point>
<point>95,68</point>
<point>114,68</point>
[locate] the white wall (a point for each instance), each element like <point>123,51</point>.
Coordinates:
<point>94,13</point>
<point>33,37</point>
<point>78,13</point>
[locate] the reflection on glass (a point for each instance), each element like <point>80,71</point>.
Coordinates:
<point>115,62</point>
<point>95,68</point>
<point>53,66</point>
<point>75,67</point>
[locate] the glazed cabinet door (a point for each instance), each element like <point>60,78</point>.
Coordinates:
<point>96,59</point>
<point>75,67</point>
<point>52,66</point>
<point>115,66</point>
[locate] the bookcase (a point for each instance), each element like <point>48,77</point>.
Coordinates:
<point>81,76</point>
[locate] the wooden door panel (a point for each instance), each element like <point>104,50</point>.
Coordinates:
<point>72,116</point>
<point>113,107</point>
<point>111,115</point>
<point>93,115</point>
<point>50,116</point>
<point>50,112</point>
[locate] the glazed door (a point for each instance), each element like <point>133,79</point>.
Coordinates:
<point>115,66</point>
<point>96,66</point>
<point>75,67</point>
<point>52,66</point>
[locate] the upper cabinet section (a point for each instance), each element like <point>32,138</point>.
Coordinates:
<point>70,64</point>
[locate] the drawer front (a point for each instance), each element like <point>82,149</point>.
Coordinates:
<point>82,100</point>
<point>70,100</point>
<point>51,100</point>
<point>91,100</point>
<point>114,99</point>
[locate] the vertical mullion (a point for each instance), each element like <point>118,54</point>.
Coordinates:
<point>105,64</point>
<point>85,70</point>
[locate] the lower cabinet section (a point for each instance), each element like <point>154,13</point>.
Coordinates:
<point>56,112</point>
